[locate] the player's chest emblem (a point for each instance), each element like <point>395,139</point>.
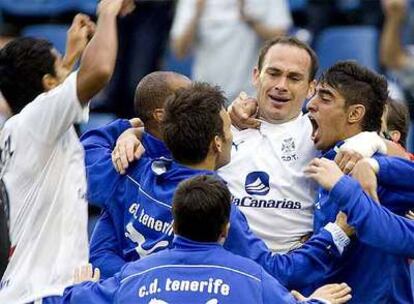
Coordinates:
<point>288,149</point>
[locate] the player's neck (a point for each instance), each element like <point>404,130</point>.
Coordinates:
<point>350,131</point>
<point>207,164</point>
<point>154,131</point>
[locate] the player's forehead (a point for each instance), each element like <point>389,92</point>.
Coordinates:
<point>289,58</point>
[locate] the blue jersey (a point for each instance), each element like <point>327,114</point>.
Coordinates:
<point>396,172</point>
<point>105,251</point>
<point>139,205</point>
<point>370,219</point>
<point>190,272</point>
<point>375,273</point>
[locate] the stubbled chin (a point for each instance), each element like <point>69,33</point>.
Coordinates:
<point>277,109</point>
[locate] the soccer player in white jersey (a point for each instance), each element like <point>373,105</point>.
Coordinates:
<point>266,172</point>
<point>42,162</point>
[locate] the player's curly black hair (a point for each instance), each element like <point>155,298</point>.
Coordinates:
<point>23,63</point>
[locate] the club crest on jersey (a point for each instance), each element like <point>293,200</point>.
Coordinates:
<point>257,183</point>
<point>289,150</point>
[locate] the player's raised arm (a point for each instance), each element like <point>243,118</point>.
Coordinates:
<point>98,61</point>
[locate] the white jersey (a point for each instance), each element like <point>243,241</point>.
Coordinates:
<point>42,162</point>
<point>225,47</point>
<point>266,178</point>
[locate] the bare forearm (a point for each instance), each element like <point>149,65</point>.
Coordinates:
<point>391,49</point>
<point>182,44</point>
<point>99,57</point>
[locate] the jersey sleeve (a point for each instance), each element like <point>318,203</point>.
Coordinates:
<point>105,251</point>
<point>375,225</point>
<point>52,113</point>
<point>395,172</point>
<point>274,292</point>
<point>183,14</point>
<point>278,15</point>
<point>101,175</point>
<point>102,292</point>
<point>396,186</point>
<point>296,269</point>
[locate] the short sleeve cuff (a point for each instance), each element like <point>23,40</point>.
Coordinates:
<point>340,239</point>
<point>82,113</point>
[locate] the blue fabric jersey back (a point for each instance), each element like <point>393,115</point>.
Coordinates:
<point>202,274</point>
<point>147,216</point>
<point>375,276</point>
<point>191,272</point>
<point>106,245</point>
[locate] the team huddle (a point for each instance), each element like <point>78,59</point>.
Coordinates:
<point>253,203</point>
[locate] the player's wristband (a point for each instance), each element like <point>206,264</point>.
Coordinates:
<point>340,239</point>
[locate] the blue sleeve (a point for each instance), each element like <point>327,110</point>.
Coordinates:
<point>375,225</point>
<point>396,172</point>
<point>274,292</point>
<point>102,292</point>
<point>296,269</point>
<point>396,183</point>
<point>105,251</point>
<point>101,175</point>
<point>396,200</point>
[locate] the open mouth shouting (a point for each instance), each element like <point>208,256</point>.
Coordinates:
<point>315,129</point>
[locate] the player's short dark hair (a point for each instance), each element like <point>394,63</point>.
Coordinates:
<point>23,63</point>
<point>290,41</point>
<point>398,119</point>
<point>201,208</point>
<point>359,85</point>
<point>152,92</point>
<point>192,120</point>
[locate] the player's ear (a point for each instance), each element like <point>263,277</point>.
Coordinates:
<point>217,144</point>
<point>49,82</point>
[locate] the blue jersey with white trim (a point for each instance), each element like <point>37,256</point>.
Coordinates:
<point>375,274</point>
<point>139,204</point>
<point>191,272</point>
<point>105,252</point>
